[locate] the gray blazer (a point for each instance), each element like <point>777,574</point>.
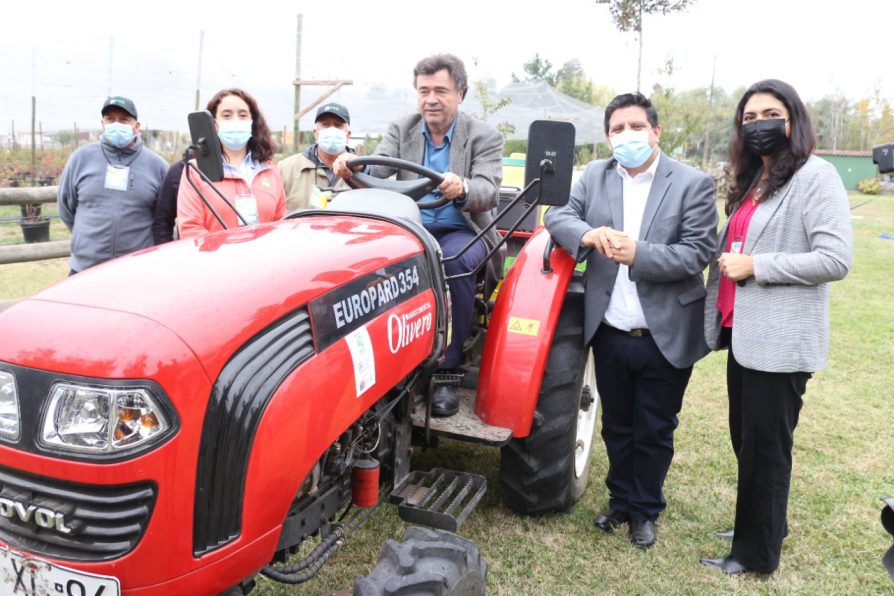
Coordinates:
<point>476,153</point>
<point>801,239</point>
<point>677,237</point>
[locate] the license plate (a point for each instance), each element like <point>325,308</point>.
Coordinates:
<point>33,577</point>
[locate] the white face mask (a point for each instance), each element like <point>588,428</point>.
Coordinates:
<point>332,140</point>
<point>234,134</point>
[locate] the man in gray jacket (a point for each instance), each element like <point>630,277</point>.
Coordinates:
<point>469,153</point>
<point>108,190</point>
<point>646,226</point>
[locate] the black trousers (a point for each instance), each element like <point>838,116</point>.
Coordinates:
<point>763,414</point>
<point>641,395</point>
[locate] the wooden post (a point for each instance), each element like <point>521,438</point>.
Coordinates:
<point>296,131</point>
<point>21,253</point>
<point>33,144</point>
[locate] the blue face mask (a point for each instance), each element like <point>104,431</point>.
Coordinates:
<point>631,148</point>
<point>118,134</point>
<point>234,134</point>
<point>332,140</point>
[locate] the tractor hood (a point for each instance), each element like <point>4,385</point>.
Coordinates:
<point>213,292</point>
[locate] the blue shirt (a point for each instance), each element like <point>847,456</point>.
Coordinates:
<point>247,170</point>
<point>438,159</point>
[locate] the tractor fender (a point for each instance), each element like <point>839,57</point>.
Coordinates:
<point>519,335</point>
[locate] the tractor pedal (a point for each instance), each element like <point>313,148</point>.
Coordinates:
<point>448,379</point>
<point>438,498</point>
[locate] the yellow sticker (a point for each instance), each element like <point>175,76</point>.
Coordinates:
<point>524,326</point>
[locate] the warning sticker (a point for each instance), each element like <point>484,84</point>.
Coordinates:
<point>524,326</point>
<point>360,345</point>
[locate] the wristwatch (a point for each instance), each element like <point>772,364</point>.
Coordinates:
<point>465,188</point>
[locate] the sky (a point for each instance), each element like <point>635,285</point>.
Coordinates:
<point>70,56</point>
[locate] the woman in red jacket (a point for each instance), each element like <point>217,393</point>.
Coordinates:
<point>251,182</point>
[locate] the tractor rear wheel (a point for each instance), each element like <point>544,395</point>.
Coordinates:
<point>548,470</point>
<point>426,562</point>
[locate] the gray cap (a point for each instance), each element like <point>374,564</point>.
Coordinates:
<point>122,103</point>
<point>336,109</point>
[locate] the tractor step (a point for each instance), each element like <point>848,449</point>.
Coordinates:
<point>438,498</point>
<point>464,425</point>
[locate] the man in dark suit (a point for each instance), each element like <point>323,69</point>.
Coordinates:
<point>469,154</point>
<point>647,227</point>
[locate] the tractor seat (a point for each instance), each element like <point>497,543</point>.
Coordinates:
<point>375,201</point>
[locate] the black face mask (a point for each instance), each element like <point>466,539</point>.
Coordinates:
<point>765,137</point>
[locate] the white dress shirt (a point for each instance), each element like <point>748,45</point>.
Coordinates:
<point>624,309</point>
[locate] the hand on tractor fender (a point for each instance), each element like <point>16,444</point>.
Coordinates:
<point>341,166</point>
<point>452,186</point>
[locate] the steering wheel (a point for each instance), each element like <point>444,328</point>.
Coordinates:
<point>415,189</point>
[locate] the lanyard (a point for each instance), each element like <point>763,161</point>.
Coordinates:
<point>121,165</point>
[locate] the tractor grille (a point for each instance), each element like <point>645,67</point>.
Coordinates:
<point>75,522</point>
<point>238,401</point>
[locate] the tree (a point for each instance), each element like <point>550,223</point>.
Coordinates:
<point>538,69</point>
<point>627,15</point>
<point>571,80</point>
<point>830,115</point>
<point>490,105</point>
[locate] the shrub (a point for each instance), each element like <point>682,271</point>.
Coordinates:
<point>870,186</point>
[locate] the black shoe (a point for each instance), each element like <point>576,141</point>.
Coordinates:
<point>727,565</point>
<point>445,401</point>
<point>728,535</point>
<point>642,532</point>
<point>610,519</point>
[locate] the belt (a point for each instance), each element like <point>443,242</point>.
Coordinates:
<point>640,332</point>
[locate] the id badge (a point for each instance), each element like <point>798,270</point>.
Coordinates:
<point>247,206</point>
<point>117,177</point>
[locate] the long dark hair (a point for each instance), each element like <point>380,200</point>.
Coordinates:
<point>745,165</point>
<point>261,143</point>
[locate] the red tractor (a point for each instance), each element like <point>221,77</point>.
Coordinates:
<point>181,419</point>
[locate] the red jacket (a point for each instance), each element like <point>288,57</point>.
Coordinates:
<point>195,219</point>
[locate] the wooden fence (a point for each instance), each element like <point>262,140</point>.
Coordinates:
<point>39,251</point>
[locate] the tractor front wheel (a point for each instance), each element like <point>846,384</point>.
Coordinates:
<point>427,562</point>
<point>547,470</point>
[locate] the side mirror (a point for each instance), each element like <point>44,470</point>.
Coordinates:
<point>207,144</point>
<point>550,157</point>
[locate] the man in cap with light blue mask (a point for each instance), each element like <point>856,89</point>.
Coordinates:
<point>646,225</point>
<point>307,176</point>
<point>108,190</point>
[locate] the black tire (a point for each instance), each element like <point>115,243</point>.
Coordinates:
<point>548,470</point>
<point>426,562</point>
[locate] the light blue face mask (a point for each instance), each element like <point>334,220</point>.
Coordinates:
<point>234,134</point>
<point>631,148</point>
<point>332,140</point>
<point>118,134</point>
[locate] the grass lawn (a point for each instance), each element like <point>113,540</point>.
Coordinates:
<point>843,465</point>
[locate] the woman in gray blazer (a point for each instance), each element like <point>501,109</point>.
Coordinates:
<point>788,235</point>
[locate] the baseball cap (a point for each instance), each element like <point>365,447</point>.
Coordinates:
<point>116,101</point>
<point>336,109</point>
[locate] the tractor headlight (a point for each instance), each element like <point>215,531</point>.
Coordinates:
<point>102,420</point>
<point>9,407</point>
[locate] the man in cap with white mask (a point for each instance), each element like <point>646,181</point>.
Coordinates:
<point>108,190</point>
<point>307,175</point>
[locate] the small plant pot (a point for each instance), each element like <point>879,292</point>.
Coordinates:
<point>36,231</point>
